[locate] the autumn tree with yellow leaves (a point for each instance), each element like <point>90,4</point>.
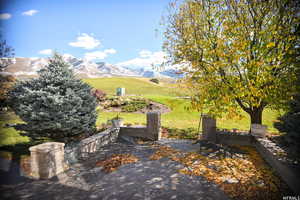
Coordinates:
<point>236,53</point>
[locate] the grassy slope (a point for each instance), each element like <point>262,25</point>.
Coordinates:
<point>9,136</point>
<point>133,86</point>
<point>163,93</point>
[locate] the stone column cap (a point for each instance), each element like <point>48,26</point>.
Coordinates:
<point>47,147</point>
<point>206,115</point>
<point>154,112</point>
<point>259,126</point>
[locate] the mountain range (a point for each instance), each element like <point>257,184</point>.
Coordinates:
<point>28,67</point>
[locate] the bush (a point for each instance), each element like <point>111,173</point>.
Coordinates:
<point>187,133</point>
<point>154,80</point>
<point>126,104</point>
<point>54,105</point>
<point>290,122</point>
<point>134,106</point>
<point>99,94</point>
<point>6,84</point>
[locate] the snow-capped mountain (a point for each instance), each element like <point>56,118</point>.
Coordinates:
<point>28,67</point>
<point>172,73</point>
<point>148,73</point>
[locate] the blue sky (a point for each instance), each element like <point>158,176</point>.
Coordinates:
<point>113,31</point>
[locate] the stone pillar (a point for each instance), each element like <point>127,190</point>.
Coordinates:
<point>47,160</point>
<point>209,128</point>
<point>258,130</point>
<point>153,125</point>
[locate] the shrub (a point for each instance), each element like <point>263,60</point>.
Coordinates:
<point>134,106</point>
<point>188,133</point>
<point>99,94</point>
<point>6,84</point>
<point>154,80</point>
<point>54,105</point>
<point>290,122</point>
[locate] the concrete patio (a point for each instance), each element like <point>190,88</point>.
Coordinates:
<point>145,179</point>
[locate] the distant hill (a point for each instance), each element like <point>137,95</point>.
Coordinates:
<point>28,67</point>
<point>135,86</point>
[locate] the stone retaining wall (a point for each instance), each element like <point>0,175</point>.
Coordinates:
<point>151,131</point>
<point>289,173</point>
<point>234,138</point>
<point>82,149</point>
<point>64,155</point>
<point>134,132</point>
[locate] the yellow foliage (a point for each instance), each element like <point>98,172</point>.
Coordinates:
<point>255,179</point>
<point>116,160</point>
<point>271,44</point>
<point>231,51</point>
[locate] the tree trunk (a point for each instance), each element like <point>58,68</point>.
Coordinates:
<point>254,112</point>
<point>256,116</point>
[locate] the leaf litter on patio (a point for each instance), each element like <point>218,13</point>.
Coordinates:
<point>116,160</point>
<point>245,177</point>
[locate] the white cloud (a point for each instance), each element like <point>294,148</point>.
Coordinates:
<point>110,51</point>
<point>29,12</point>
<point>85,41</point>
<point>146,59</point>
<point>46,52</point>
<point>99,54</point>
<point>5,16</point>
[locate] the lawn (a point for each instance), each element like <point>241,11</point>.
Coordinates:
<point>133,86</point>
<point>164,93</point>
<point>9,136</point>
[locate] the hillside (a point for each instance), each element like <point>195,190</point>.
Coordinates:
<point>134,86</point>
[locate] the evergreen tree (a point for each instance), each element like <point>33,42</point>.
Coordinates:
<point>54,105</point>
<point>290,121</point>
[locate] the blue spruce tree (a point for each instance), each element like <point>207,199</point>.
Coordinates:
<point>54,105</point>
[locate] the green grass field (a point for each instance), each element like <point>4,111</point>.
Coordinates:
<point>133,86</point>
<point>179,117</point>
<point>163,93</point>
<point>9,136</point>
